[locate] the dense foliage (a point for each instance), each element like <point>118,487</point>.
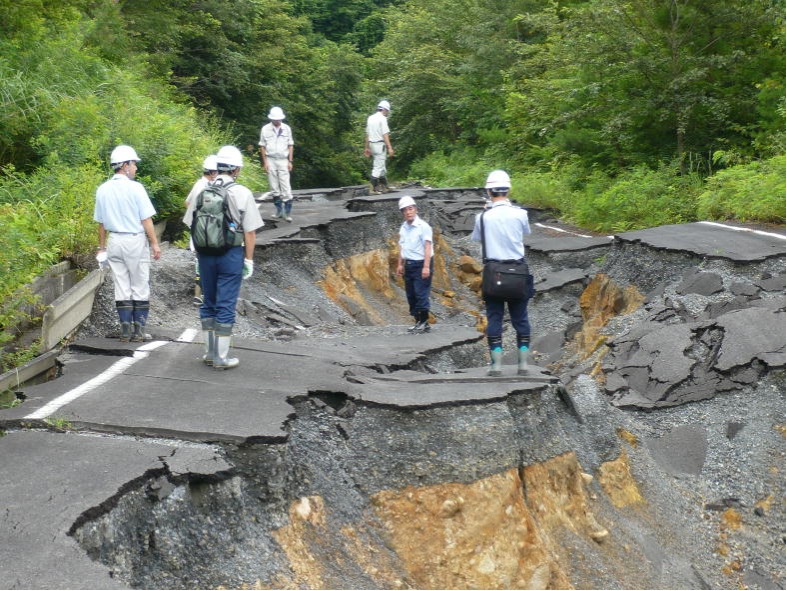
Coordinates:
<point>618,115</point>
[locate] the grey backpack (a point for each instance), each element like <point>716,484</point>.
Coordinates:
<point>213,230</point>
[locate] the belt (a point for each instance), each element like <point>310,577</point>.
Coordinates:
<point>126,233</point>
<point>376,141</point>
<point>506,262</point>
<point>412,261</point>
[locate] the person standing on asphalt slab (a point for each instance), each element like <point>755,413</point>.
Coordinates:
<point>126,240</point>
<point>377,144</point>
<point>276,151</point>
<point>221,275</point>
<point>209,174</point>
<point>505,225</point>
<point>415,263</point>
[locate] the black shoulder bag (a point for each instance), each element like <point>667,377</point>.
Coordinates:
<point>505,280</point>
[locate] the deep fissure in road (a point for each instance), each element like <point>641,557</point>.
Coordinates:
<point>589,481</point>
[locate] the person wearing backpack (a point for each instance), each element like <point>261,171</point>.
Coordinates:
<point>223,219</point>
<point>209,173</point>
<point>126,240</point>
<point>276,150</point>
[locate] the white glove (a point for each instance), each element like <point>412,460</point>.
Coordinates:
<point>101,257</point>
<point>248,268</point>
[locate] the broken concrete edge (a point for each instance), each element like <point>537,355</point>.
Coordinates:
<point>13,379</point>
<point>420,406</point>
<point>110,503</point>
<point>146,479</point>
<point>87,427</point>
<point>112,347</point>
<point>69,310</point>
<point>621,239</point>
<point>529,379</point>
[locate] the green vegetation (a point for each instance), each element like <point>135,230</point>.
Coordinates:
<point>59,424</point>
<point>617,115</point>
<point>8,399</point>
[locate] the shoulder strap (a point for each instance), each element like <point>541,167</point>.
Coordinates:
<point>483,237</point>
<point>220,183</point>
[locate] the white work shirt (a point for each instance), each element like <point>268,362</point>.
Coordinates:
<point>122,204</point>
<point>505,225</point>
<point>242,206</point>
<point>413,238</point>
<point>276,140</point>
<point>377,127</point>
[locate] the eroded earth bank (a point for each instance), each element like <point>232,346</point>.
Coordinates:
<point>645,450</point>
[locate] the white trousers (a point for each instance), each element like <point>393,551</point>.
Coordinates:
<point>379,154</point>
<point>279,178</point>
<point>129,258</point>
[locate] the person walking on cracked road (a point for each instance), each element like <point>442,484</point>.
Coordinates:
<point>276,151</point>
<point>416,263</point>
<point>209,174</point>
<point>504,226</point>
<point>221,275</point>
<point>377,144</point>
<point>126,240</point>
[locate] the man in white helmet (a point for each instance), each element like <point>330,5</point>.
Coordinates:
<point>415,263</point>
<point>276,151</point>
<point>126,240</point>
<point>209,174</point>
<point>221,275</point>
<point>377,144</point>
<point>504,227</point>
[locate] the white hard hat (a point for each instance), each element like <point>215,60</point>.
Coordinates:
<point>498,179</point>
<point>229,157</point>
<point>406,201</point>
<point>210,163</point>
<point>276,114</point>
<point>123,154</point>
<point>384,105</point>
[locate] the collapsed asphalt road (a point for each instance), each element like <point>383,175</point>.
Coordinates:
<point>646,452</point>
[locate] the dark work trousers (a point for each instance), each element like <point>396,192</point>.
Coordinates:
<point>416,287</point>
<point>495,310</point>
<point>221,277</point>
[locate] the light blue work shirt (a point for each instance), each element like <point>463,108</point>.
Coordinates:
<point>413,238</point>
<point>122,204</point>
<point>505,225</point>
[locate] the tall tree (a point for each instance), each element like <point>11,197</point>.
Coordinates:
<point>637,81</point>
<point>442,64</point>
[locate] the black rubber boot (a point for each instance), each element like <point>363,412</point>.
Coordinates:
<point>140,314</point>
<point>125,310</point>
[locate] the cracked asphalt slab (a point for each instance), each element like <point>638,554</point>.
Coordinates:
<point>55,479</point>
<point>164,410</point>
<point>169,392</point>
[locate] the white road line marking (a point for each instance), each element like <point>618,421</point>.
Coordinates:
<point>760,232</point>
<point>188,335</point>
<point>112,371</point>
<point>561,230</point>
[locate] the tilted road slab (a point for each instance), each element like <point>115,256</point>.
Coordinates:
<point>707,240</point>
<point>53,480</point>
